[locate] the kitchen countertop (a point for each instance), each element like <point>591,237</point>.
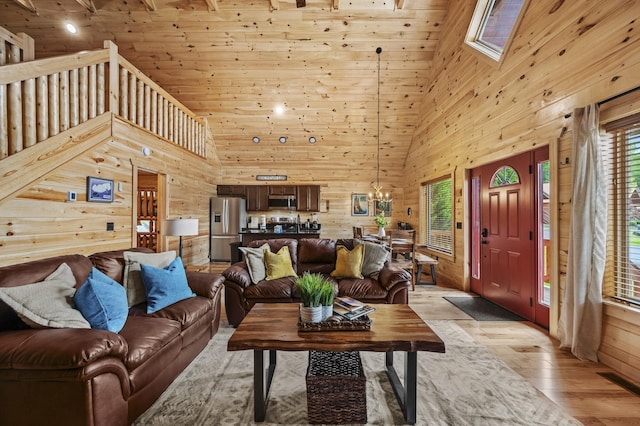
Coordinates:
<point>269,232</point>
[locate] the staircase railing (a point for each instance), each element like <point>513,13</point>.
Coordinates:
<point>42,98</point>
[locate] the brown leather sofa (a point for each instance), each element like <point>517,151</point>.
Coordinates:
<point>71,376</point>
<point>312,255</point>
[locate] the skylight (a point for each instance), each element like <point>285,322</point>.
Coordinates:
<point>493,25</point>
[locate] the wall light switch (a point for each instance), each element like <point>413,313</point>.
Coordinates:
<point>72,196</point>
<point>119,186</point>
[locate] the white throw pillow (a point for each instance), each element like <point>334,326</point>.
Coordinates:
<point>133,277</point>
<point>47,303</point>
<point>254,257</point>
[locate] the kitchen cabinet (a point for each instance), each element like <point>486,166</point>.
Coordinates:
<point>231,190</point>
<point>282,190</point>
<point>257,198</point>
<point>308,198</point>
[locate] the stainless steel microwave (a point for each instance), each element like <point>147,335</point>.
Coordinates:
<point>282,202</point>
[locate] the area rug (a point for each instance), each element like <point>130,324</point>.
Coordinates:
<point>483,310</point>
<point>467,385</point>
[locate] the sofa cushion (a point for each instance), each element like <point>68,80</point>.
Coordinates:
<point>102,301</point>
<point>254,258</point>
<point>375,256</point>
<point>348,262</point>
<point>365,290</point>
<point>146,336</point>
<point>132,276</point>
<point>47,303</point>
<point>278,264</point>
<point>165,286</point>
<point>186,312</point>
<point>112,264</point>
<point>279,289</point>
<point>316,255</point>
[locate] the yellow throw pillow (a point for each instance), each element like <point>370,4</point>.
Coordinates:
<point>278,264</point>
<point>349,263</point>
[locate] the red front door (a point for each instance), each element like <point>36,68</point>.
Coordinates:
<point>505,244</point>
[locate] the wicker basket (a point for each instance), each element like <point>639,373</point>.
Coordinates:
<point>336,388</point>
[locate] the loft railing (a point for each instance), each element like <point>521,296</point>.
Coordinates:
<point>15,48</point>
<point>42,98</point>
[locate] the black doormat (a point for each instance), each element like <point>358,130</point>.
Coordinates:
<point>482,310</point>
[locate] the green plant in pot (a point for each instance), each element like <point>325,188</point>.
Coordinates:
<point>310,286</point>
<point>381,221</point>
<point>326,299</point>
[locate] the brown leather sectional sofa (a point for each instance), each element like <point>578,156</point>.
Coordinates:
<point>65,376</point>
<point>312,255</point>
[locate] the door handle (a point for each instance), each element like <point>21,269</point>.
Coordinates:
<point>484,242</point>
<point>484,233</point>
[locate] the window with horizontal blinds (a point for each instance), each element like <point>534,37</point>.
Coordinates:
<point>621,154</point>
<point>437,222</point>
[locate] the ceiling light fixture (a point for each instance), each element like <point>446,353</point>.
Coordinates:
<point>283,139</point>
<point>279,109</point>
<point>377,195</point>
<point>71,28</point>
<point>256,139</point>
<point>312,139</point>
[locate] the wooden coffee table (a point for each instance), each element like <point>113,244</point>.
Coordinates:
<point>274,327</point>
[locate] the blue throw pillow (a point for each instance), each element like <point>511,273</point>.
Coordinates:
<point>165,286</point>
<point>102,302</point>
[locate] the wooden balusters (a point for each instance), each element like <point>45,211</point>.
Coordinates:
<point>29,103</point>
<point>42,108</point>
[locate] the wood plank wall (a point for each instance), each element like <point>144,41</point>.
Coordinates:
<point>568,54</point>
<point>39,222</point>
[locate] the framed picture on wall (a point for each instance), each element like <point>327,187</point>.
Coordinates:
<point>359,205</point>
<point>382,206</point>
<point>99,190</point>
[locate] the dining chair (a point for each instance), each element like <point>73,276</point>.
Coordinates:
<point>403,250</point>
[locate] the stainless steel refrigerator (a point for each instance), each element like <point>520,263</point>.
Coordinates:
<point>228,217</point>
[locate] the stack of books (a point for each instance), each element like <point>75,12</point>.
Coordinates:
<point>350,308</point>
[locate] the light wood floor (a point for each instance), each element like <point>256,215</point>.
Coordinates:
<point>572,384</point>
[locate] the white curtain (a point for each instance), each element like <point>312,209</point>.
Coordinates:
<point>580,325</point>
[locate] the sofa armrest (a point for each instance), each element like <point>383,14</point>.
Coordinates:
<point>239,274</point>
<point>205,284</point>
<point>58,349</point>
<point>390,275</point>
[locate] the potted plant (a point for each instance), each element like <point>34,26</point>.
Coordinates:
<point>381,221</point>
<point>310,287</point>
<point>326,299</point>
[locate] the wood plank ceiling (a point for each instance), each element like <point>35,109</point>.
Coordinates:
<point>234,61</point>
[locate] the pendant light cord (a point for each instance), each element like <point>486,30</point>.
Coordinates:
<point>378,51</point>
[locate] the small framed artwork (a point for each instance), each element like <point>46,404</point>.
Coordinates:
<point>382,206</point>
<point>359,205</point>
<point>99,190</point>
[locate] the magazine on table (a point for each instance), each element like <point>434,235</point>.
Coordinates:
<point>348,303</point>
<point>351,315</point>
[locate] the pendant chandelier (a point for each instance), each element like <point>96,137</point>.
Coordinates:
<point>377,195</point>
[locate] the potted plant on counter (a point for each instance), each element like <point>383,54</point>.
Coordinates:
<point>381,221</point>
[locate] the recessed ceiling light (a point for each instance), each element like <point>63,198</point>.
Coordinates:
<point>283,139</point>
<point>255,139</point>
<point>312,139</point>
<point>71,28</point>
<point>279,109</point>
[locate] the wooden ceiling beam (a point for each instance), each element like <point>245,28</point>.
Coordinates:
<point>212,4</point>
<point>27,4</point>
<point>88,4</point>
<point>150,5</point>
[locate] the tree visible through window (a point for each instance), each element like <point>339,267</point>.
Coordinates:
<point>437,229</point>
<point>505,175</point>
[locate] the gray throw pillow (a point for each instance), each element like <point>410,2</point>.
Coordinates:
<point>254,258</point>
<point>47,303</point>
<point>375,255</point>
<point>132,272</point>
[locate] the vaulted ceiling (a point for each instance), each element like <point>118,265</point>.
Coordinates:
<point>234,61</point>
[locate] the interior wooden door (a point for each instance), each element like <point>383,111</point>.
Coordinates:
<point>507,234</point>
